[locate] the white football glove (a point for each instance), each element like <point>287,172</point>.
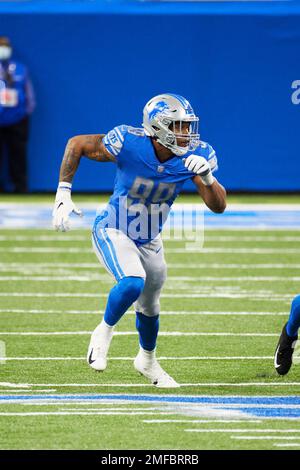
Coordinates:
<point>63,207</point>
<point>201,167</point>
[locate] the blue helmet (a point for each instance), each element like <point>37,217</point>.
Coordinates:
<point>159,118</point>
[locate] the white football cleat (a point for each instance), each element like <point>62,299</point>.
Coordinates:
<point>151,369</point>
<point>99,346</point>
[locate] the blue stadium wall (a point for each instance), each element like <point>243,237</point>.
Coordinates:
<point>94,68</point>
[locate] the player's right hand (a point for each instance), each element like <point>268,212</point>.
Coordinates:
<point>200,166</point>
<point>63,207</point>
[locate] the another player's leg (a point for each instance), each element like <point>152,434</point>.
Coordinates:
<point>285,348</point>
<point>147,318</point>
<point>120,257</point>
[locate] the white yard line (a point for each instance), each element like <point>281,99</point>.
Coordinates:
<point>178,206</point>
<point>134,333</point>
<point>196,384</point>
<point>97,266</point>
<point>80,413</point>
<point>253,295</point>
<point>197,249</point>
<point>243,238</point>
<point>245,430</point>
<point>163,312</point>
<point>87,237</point>
<point>53,264</point>
<point>195,421</point>
<point>162,358</point>
<point>45,249</point>
<point>231,278</point>
<point>271,438</point>
<point>231,266</point>
<point>295,444</point>
<point>115,408</point>
<point>26,390</point>
<point>14,385</point>
<point>46,238</point>
<point>106,279</point>
<point>253,251</point>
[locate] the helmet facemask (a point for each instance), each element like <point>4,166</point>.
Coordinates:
<point>179,136</point>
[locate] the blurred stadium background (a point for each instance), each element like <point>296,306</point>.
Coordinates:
<point>94,64</point>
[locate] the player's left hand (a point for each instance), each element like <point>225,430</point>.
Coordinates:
<point>200,166</point>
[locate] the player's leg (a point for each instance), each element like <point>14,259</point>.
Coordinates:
<point>17,138</point>
<point>287,341</point>
<point>147,309</point>
<point>121,258</point>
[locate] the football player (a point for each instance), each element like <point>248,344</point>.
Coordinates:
<point>153,163</point>
<point>286,345</point>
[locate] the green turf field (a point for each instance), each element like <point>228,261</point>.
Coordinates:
<point>221,316</point>
<point>187,197</point>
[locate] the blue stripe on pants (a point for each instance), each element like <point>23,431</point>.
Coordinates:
<point>103,248</point>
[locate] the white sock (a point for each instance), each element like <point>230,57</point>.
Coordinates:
<point>104,329</point>
<point>148,356</point>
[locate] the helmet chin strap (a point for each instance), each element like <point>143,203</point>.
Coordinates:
<point>169,147</point>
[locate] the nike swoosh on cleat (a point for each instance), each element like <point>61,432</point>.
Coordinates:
<point>90,358</point>
<point>275,359</point>
<point>61,204</point>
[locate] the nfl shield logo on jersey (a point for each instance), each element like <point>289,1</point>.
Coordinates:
<point>160,168</point>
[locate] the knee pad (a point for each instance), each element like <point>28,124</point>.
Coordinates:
<point>131,286</point>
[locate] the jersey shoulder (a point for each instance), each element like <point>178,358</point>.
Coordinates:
<point>121,138</point>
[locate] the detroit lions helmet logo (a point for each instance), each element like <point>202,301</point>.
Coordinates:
<point>158,108</point>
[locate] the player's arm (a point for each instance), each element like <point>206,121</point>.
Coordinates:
<point>210,190</point>
<point>213,195</point>
<point>90,146</point>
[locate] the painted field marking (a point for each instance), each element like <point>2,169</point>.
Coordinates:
<point>195,421</point>
<point>210,238</point>
<point>135,333</point>
<point>253,251</point>
<point>82,413</point>
<point>271,438</point>
<point>163,358</point>
<point>146,398</point>
<point>245,430</point>
<point>233,266</point>
<point>288,445</point>
<point>196,384</point>
<point>245,216</point>
<point>27,390</point>
<point>163,312</point>
<point>253,295</point>
<point>14,385</point>
<point>255,238</point>
<point>49,249</point>
<point>97,266</point>
<point>124,408</point>
<point>44,238</point>
<point>106,279</point>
